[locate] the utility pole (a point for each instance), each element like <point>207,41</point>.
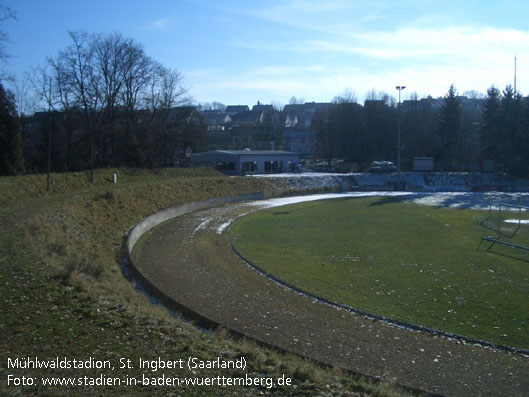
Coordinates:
<point>399,88</point>
<point>49,138</point>
<point>514,73</point>
<point>91,153</point>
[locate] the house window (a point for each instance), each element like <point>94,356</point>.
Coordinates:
<point>226,166</point>
<point>270,167</point>
<point>249,167</point>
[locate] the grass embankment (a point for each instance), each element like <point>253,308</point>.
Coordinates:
<point>63,293</point>
<point>407,262</point>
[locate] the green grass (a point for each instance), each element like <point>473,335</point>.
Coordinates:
<point>63,292</point>
<point>412,263</point>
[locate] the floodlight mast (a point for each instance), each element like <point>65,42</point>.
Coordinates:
<point>399,88</point>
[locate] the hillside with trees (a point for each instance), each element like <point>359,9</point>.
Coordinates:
<point>461,133</point>
<point>105,103</point>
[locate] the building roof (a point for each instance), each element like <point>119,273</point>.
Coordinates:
<point>253,152</point>
<point>233,109</point>
<point>307,106</point>
<point>260,108</point>
<point>214,118</point>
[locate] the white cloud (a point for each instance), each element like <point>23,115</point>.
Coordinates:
<point>315,16</point>
<point>158,25</point>
<point>323,82</point>
<point>465,42</point>
<point>276,83</point>
<point>426,54</point>
<point>275,70</point>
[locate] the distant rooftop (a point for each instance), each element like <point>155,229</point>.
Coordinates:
<point>257,152</point>
<point>233,109</point>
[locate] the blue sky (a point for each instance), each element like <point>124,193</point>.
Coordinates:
<point>239,52</point>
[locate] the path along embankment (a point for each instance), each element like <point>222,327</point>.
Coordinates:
<point>189,262</point>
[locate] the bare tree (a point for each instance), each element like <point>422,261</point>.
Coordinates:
<point>348,96</point>
<point>64,102</point>
<point>121,99</point>
<point>110,65</point>
<point>78,58</point>
<point>473,94</point>
<point>387,99</point>
<point>137,68</point>
<point>296,101</point>
<point>168,94</point>
<point>218,106</point>
<point>5,14</point>
<point>172,92</point>
<point>412,96</point>
<point>26,99</point>
<point>26,103</point>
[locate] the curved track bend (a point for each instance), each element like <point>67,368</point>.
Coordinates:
<point>190,260</point>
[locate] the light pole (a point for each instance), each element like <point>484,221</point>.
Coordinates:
<point>399,88</point>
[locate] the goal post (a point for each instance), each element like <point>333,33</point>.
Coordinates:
<point>506,220</point>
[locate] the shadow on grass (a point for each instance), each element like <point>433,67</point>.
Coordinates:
<point>392,200</point>
<point>302,206</point>
<point>514,254</point>
<point>457,200</point>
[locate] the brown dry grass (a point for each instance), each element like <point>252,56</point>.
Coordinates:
<point>70,297</point>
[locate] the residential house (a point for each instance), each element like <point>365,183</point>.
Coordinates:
<point>297,134</point>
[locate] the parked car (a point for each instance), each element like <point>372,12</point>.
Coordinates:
<point>382,166</point>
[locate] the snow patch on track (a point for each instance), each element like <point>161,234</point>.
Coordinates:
<point>221,228</point>
<point>479,201</point>
<point>276,202</point>
<point>202,225</point>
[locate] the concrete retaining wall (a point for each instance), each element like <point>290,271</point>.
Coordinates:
<point>411,181</point>
<point>160,217</point>
<point>441,182</point>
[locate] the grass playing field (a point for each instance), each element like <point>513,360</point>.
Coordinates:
<point>394,258</point>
